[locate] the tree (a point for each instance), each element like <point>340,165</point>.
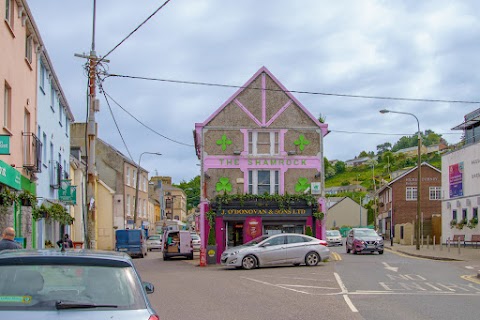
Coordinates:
<point>329,172</point>
<point>363,154</point>
<point>384,147</point>
<point>192,191</point>
<point>340,167</point>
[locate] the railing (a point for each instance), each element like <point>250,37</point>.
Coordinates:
<point>32,152</point>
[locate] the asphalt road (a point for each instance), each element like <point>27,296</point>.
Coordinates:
<point>388,286</point>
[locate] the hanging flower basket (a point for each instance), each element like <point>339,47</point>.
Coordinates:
<point>27,198</point>
<point>7,198</point>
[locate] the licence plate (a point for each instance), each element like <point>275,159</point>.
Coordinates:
<point>122,249</point>
<point>370,246</point>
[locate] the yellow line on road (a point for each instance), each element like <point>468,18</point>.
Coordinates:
<point>472,278</point>
<point>335,256</point>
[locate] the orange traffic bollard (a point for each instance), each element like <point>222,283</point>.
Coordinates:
<point>203,257</point>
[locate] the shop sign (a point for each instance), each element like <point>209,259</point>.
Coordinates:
<point>67,193</point>
<point>10,176</point>
<point>286,212</point>
<point>315,187</point>
<point>4,144</point>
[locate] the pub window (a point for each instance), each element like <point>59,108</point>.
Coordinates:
<point>475,213</point>
<point>464,214</point>
<point>263,143</point>
<point>411,193</point>
<point>454,215</point>
<point>263,182</point>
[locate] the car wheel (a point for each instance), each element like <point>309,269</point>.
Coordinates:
<point>312,259</point>
<point>249,262</point>
<point>165,258</point>
<point>354,251</point>
<point>348,250</point>
<point>380,252</point>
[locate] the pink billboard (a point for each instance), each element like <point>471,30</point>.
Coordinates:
<point>455,180</point>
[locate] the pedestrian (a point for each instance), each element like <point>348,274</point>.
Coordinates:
<point>66,242</point>
<point>8,241</point>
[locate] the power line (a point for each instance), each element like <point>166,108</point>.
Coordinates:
<point>135,30</point>
<point>143,124</point>
<point>116,125</point>
<point>291,91</point>
<point>386,134</point>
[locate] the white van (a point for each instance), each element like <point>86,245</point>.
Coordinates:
<point>177,243</point>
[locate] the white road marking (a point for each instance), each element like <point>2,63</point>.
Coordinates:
<point>300,286</point>
<point>274,285</point>
<point>394,269</point>
<point>340,283</point>
<point>349,303</point>
<point>470,267</point>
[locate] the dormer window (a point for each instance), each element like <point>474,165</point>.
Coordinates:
<point>263,143</point>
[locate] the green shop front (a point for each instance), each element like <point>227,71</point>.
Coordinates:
<point>13,213</point>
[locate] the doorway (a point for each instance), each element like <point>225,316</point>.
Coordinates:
<point>235,234</point>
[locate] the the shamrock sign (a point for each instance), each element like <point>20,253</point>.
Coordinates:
<point>224,142</point>
<point>302,142</point>
<point>302,185</point>
<point>223,184</point>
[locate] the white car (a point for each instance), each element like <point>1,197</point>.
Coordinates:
<point>154,242</point>
<point>284,248</point>
<point>196,241</point>
<point>334,238</point>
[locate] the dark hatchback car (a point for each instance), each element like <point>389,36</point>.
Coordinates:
<point>74,285</point>
<point>364,240</point>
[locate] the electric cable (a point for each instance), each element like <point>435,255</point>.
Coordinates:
<point>116,124</point>
<point>134,30</point>
<point>143,124</point>
<point>210,84</point>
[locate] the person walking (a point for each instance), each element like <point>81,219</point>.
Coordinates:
<point>66,241</point>
<point>8,242</point>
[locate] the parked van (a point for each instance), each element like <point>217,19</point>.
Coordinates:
<point>177,243</point>
<point>131,241</point>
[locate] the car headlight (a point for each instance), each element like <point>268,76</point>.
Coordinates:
<point>234,253</point>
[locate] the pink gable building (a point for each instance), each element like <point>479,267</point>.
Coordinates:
<point>261,141</point>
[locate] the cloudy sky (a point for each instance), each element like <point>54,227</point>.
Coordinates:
<point>399,49</point>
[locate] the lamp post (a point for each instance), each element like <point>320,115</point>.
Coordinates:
<point>135,206</point>
<point>417,227</point>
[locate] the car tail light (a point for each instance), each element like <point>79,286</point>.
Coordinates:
<point>154,317</point>
<point>323,243</point>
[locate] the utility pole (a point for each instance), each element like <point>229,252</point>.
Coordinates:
<point>91,128</point>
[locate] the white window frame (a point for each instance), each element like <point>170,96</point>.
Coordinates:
<point>9,5</point>
<point>127,176</point>
<point>253,181</point>
<point>411,193</point>
<point>29,48</point>
<point>128,204</point>
<point>42,77</point>
<point>253,142</point>
<point>60,114</point>
<point>7,106</point>
<point>435,193</point>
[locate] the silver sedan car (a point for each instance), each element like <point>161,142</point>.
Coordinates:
<point>284,248</point>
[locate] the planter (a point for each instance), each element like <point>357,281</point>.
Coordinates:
<point>212,254</point>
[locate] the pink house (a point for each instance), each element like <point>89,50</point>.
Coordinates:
<point>261,141</point>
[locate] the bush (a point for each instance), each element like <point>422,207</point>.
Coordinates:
<point>211,236</point>
<point>308,231</point>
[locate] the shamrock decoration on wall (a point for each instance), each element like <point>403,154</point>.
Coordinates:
<point>224,142</point>
<point>302,142</point>
<point>223,184</point>
<point>302,185</point>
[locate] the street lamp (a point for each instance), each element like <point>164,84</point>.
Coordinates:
<point>135,206</point>
<point>417,227</point>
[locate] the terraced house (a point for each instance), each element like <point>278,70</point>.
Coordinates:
<point>261,156</point>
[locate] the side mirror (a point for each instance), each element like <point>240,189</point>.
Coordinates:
<point>149,288</point>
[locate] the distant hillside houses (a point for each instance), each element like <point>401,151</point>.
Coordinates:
<point>342,189</point>
<point>357,161</point>
<point>413,151</point>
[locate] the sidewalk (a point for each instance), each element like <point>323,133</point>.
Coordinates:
<point>438,252</point>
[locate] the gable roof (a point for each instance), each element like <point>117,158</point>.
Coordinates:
<point>261,122</point>
<point>405,173</point>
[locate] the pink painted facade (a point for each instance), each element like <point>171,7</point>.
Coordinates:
<point>18,76</point>
<point>261,140</point>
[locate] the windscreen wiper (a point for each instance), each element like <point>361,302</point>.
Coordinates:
<point>72,305</point>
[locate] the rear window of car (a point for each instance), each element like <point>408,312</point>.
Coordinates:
<point>195,237</point>
<point>40,287</point>
<point>333,233</point>
<point>153,238</point>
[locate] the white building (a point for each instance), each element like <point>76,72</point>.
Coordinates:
<point>461,182</point>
